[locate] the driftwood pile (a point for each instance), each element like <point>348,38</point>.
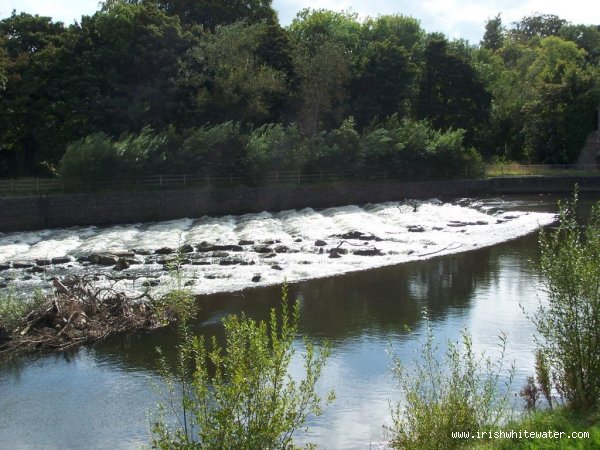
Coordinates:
<point>78,313</point>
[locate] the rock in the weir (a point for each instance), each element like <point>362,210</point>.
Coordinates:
<point>150,283</point>
<point>230,262</point>
<point>187,248</point>
<point>4,267</point>
<point>334,254</point>
<point>163,251</point>
<point>416,229</point>
<point>220,254</point>
<point>456,224</point>
<point>298,240</point>
<point>256,278</point>
<point>206,247</point>
<point>276,267</point>
<point>121,264</point>
<point>61,260</point>
<point>141,251</point>
<point>358,235</point>
<point>320,243</point>
<point>37,269</point>
<point>281,249</point>
<point>262,249</point>
<point>22,264</point>
<point>103,260</point>
<point>368,252</point>
<point>197,262</point>
<point>245,242</point>
<point>124,254</point>
<point>481,222</point>
<point>43,262</point>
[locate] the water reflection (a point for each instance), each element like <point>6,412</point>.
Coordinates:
<point>98,397</point>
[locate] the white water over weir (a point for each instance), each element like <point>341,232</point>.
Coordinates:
<point>235,252</point>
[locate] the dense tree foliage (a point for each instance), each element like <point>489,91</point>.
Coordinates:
<point>186,72</point>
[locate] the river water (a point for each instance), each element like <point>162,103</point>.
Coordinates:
<point>466,274</point>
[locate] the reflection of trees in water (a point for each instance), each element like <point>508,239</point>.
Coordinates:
<point>14,369</point>
<point>378,302</point>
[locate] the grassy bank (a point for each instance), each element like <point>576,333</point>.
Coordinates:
<point>569,422</point>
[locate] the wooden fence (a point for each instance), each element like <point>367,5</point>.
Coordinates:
<point>41,186</point>
<point>27,186</point>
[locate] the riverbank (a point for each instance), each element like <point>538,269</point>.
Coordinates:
<point>54,211</point>
<point>558,429</point>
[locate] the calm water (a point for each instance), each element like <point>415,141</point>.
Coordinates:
<point>100,397</point>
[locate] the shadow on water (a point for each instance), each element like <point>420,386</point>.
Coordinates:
<point>376,303</point>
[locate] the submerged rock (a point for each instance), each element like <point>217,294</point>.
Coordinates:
<point>62,260</point>
<point>245,242</point>
<point>368,252</point>
<point>320,243</point>
<point>186,249</point>
<point>103,260</point>
<point>121,264</point>
<point>163,251</point>
<point>256,278</point>
<point>22,264</point>
<point>44,262</point>
<point>416,229</point>
<point>359,235</point>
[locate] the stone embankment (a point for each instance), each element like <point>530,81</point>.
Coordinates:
<point>55,211</point>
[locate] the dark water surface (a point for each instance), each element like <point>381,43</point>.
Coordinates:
<point>100,397</point>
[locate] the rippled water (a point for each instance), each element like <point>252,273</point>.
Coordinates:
<point>289,245</point>
<point>99,397</point>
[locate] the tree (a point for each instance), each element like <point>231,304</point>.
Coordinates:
<point>560,111</point>
<point>231,80</point>
<point>569,320</point>
<point>242,396</point>
<point>30,113</point>
<point>384,84</point>
<point>451,94</point>
<point>209,13</point>
<point>540,26</point>
<point>493,38</point>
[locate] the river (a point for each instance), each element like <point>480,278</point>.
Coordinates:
<point>473,276</point>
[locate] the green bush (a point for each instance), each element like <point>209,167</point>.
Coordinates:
<point>93,157</point>
<point>214,150</point>
<point>14,309</point>
<point>459,393</point>
<point>241,396</point>
<point>274,147</point>
<point>568,322</point>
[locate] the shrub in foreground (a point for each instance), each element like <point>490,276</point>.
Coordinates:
<point>241,396</point>
<point>458,393</point>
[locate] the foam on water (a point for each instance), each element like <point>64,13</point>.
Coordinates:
<point>438,233</point>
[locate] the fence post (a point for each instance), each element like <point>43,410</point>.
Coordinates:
<point>160,180</point>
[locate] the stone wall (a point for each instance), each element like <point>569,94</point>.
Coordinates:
<point>52,211</point>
